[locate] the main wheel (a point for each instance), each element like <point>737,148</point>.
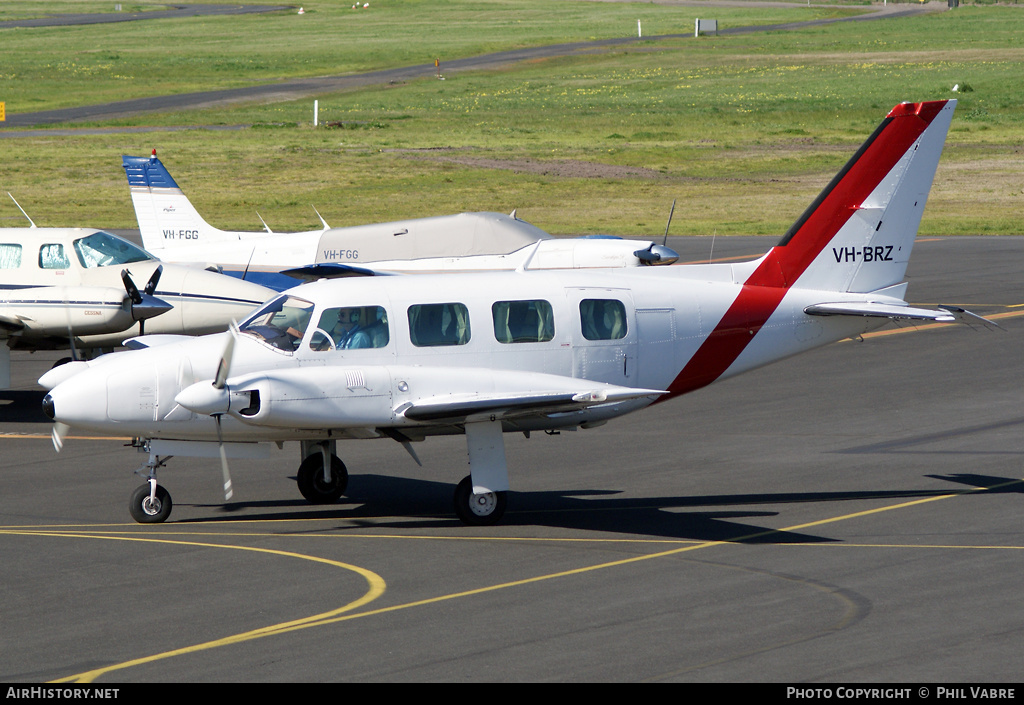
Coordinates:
<point>478,509</point>
<point>311,479</point>
<point>150,510</point>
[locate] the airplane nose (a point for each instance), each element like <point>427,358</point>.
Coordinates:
<point>48,407</point>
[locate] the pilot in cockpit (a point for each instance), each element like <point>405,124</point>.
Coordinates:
<point>347,333</point>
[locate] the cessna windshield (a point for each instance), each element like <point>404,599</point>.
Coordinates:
<point>103,250</point>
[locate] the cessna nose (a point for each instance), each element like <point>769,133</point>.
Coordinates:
<point>48,407</point>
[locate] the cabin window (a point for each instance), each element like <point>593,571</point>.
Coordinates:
<point>280,322</point>
<point>603,319</point>
<point>523,321</point>
<point>52,257</point>
<point>350,328</point>
<point>432,325</point>
<point>10,256</point>
<point>103,249</point>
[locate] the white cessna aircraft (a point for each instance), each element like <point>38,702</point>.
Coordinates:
<point>174,231</point>
<point>406,357</point>
<point>76,287</point>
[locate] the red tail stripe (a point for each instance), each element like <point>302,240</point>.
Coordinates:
<point>764,290</point>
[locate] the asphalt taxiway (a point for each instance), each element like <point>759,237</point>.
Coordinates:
<point>849,515</point>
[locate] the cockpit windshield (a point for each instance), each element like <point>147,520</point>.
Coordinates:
<point>103,249</point>
<point>280,322</point>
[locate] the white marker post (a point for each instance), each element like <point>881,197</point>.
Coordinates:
<point>639,33</point>
<point>316,113</point>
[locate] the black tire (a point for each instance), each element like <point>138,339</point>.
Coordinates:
<point>311,479</point>
<point>147,511</point>
<point>478,510</point>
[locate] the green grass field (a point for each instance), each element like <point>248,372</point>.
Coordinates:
<point>742,130</point>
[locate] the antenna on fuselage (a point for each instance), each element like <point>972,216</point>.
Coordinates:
<point>529,257</point>
<point>664,240</point>
<point>20,208</point>
<point>265,226</point>
<point>326,226</point>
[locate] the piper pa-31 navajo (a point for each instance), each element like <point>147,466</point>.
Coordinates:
<point>76,287</point>
<point>406,357</point>
<point>174,231</point>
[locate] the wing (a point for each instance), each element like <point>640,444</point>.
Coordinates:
<point>474,407</point>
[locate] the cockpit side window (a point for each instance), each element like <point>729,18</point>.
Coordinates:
<point>523,321</point>
<point>603,319</point>
<point>351,328</point>
<point>103,249</point>
<point>51,256</point>
<point>10,256</point>
<point>280,322</point>
<point>432,325</point>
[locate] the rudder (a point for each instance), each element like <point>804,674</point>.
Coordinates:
<point>858,233</point>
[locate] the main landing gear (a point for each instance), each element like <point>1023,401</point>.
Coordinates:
<point>473,509</point>
<point>322,478</point>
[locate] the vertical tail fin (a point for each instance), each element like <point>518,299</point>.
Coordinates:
<point>855,237</point>
<point>858,234</point>
<point>166,217</point>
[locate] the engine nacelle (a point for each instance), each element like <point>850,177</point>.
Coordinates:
<point>311,397</point>
<point>87,310</point>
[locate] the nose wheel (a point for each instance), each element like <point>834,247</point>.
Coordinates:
<point>150,504</point>
<point>478,509</point>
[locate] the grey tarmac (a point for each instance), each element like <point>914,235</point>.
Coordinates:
<point>850,515</point>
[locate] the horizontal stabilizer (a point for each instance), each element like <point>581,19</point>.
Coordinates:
<point>329,270</point>
<point>945,314</point>
<point>967,318</point>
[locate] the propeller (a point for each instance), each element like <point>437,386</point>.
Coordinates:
<point>214,400</point>
<point>144,304</point>
<point>220,382</point>
<point>59,432</point>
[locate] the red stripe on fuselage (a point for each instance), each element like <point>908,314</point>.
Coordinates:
<point>764,290</point>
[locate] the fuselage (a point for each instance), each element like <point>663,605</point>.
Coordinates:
<point>438,336</point>
<point>56,279</point>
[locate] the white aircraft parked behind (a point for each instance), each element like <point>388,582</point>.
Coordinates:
<point>76,287</point>
<point>406,357</point>
<point>174,231</point>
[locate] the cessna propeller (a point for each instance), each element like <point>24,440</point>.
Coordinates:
<point>144,304</point>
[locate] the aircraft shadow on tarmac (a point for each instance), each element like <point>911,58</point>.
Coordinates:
<point>22,407</point>
<point>913,443</point>
<point>380,501</point>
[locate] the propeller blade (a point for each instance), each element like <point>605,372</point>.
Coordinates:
<point>144,305</point>
<point>224,366</point>
<point>129,286</point>
<point>225,473</point>
<point>153,280</point>
<point>59,432</point>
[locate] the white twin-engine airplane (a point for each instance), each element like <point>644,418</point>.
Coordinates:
<point>76,288</point>
<point>174,231</point>
<point>406,357</point>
